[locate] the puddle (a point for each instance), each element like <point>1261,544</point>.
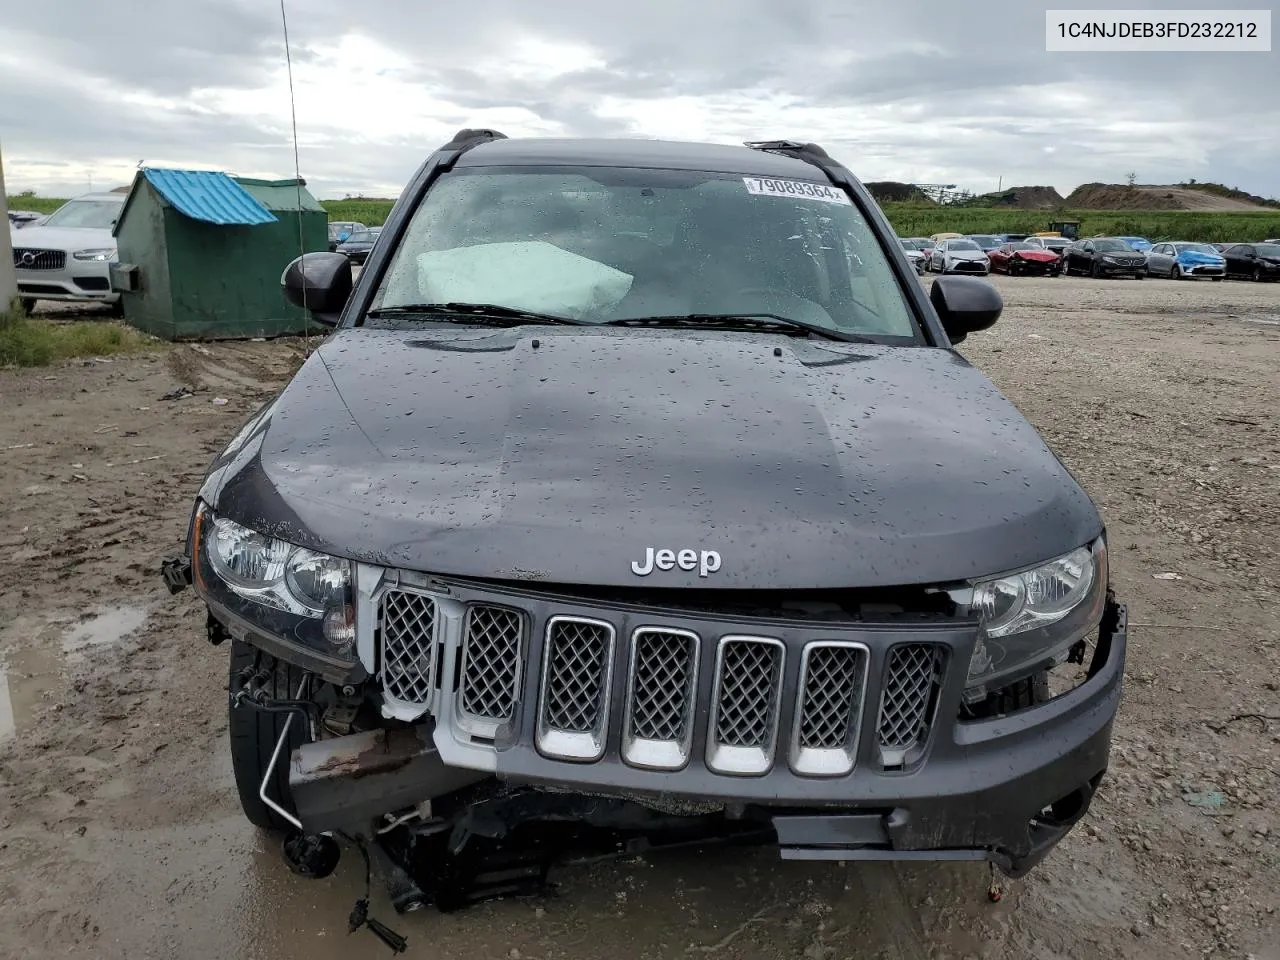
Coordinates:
<point>32,664</point>
<point>109,625</point>
<point>27,676</point>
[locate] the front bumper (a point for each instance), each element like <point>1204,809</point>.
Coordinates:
<point>965,790</point>
<point>966,266</point>
<point>78,280</point>
<point>1121,269</point>
<point>1202,269</point>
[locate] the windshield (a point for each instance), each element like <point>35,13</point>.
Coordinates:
<point>362,236</point>
<point>983,240</point>
<point>605,244</point>
<point>1023,246</point>
<point>962,245</point>
<point>1056,242</point>
<point>1195,248</point>
<point>1113,246</point>
<point>88,214</point>
<point>1268,249</point>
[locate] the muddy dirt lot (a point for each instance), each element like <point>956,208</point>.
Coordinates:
<point>120,833</point>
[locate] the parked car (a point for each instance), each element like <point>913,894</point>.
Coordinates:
<point>1057,244</point>
<point>1141,244</point>
<point>357,246</point>
<point>69,255</point>
<point>986,241</point>
<point>1182,260</point>
<point>958,255</point>
<point>580,596</point>
<point>923,244</point>
<point>1022,259</point>
<point>1104,257</point>
<point>1254,261</point>
<point>340,230</point>
<point>22,218</point>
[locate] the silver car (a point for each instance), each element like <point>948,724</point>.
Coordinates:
<point>959,255</point>
<point>911,246</point>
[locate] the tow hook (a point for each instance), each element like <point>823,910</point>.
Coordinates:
<point>176,572</point>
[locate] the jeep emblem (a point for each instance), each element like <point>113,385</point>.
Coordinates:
<point>704,561</point>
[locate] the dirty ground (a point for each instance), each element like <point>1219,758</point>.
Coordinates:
<point>120,835</point>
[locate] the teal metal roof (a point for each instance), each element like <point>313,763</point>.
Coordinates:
<point>209,196</point>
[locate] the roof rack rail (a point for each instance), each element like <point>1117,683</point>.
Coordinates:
<point>467,137</point>
<point>789,147</point>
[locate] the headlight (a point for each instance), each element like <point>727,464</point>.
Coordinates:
<point>1108,258</point>
<point>1030,620</point>
<point>290,591</point>
<point>97,253</point>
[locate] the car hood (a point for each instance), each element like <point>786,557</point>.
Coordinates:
<point>966,255</point>
<point>563,455</point>
<point>1045,255</point>
<point>1195,256</point>
<point>63,238</point>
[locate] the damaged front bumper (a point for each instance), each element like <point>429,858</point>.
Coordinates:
<point>1004,790</point>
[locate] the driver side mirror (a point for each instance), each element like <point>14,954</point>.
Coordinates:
<point>965,305</point>
<point>320,283</point>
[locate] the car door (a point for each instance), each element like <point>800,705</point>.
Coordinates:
<point>1085,259</point>
<point>1238,259</point>
<point>1160,259</point>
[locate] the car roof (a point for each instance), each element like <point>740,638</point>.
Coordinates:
<point>629,152</point>
<point>113,197</point>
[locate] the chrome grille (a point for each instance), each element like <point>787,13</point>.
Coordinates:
<point>907,703</point>
<point>26,258</point>
<point>659,724</point>
<point>491,656</point>
<point>577,665</point>
<point>744,723</point>
<point>408,623</point>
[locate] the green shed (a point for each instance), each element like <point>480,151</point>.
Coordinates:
<point>201,253</point>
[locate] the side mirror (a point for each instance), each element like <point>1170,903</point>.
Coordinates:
<point>965,305</point>
<point>320,283</point>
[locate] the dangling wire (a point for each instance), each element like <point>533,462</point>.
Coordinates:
<point>297,169</point>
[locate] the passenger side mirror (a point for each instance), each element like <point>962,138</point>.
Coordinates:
<point>320,283</point>
<point>965,305</point>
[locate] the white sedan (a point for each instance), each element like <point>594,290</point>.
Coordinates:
<point>959,255</point>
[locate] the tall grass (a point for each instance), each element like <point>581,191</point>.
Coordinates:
<point>25,201</point>
<point>37,342</point>
<point>911,220</point>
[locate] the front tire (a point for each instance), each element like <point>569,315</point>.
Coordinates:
<point>1175,272</point>
<point>1257,274</point>
<point>1095,271</point>
<point>253,735</point>
<point>28,305</point>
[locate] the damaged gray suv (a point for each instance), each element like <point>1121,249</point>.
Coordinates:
<point>639,497</point>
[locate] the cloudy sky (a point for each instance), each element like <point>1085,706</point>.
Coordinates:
<point>922,90</point>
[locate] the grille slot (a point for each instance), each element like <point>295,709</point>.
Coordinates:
<point>833,677</point>
<point>491,657</point>
<point>408,627</point>
<point>26,258</point>
<point>574,703</point>
<point>660,698</point>
<point>744,707</point>
<point>909,700</point>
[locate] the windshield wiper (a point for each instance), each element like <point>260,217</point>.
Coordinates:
<point>742,321</point>
<point>493,313</point>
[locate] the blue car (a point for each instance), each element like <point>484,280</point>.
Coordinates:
<point>1141,244</point>
<point>1183,261</point>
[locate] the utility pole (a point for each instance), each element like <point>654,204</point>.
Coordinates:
<point>8,282</point>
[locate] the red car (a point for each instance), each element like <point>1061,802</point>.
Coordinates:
<point>1021,259</point>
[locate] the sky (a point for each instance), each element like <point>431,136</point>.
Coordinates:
<point>919,91</point>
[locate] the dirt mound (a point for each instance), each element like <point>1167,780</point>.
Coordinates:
<point>1023,198</point>
<point>890,191</point>
<point>1116,196</point>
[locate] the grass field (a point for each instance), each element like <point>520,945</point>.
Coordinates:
<point>916,221</point>
<point>38,341</point>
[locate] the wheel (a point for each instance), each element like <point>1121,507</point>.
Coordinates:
<point>1175,272</point>
<point>1216,279</point>
<point>253,735</point>
<point>1257,274</point>
<point>1095,271</point>
<point>117,307</point>
<point>1140,275</point>
<point>28,305</point>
